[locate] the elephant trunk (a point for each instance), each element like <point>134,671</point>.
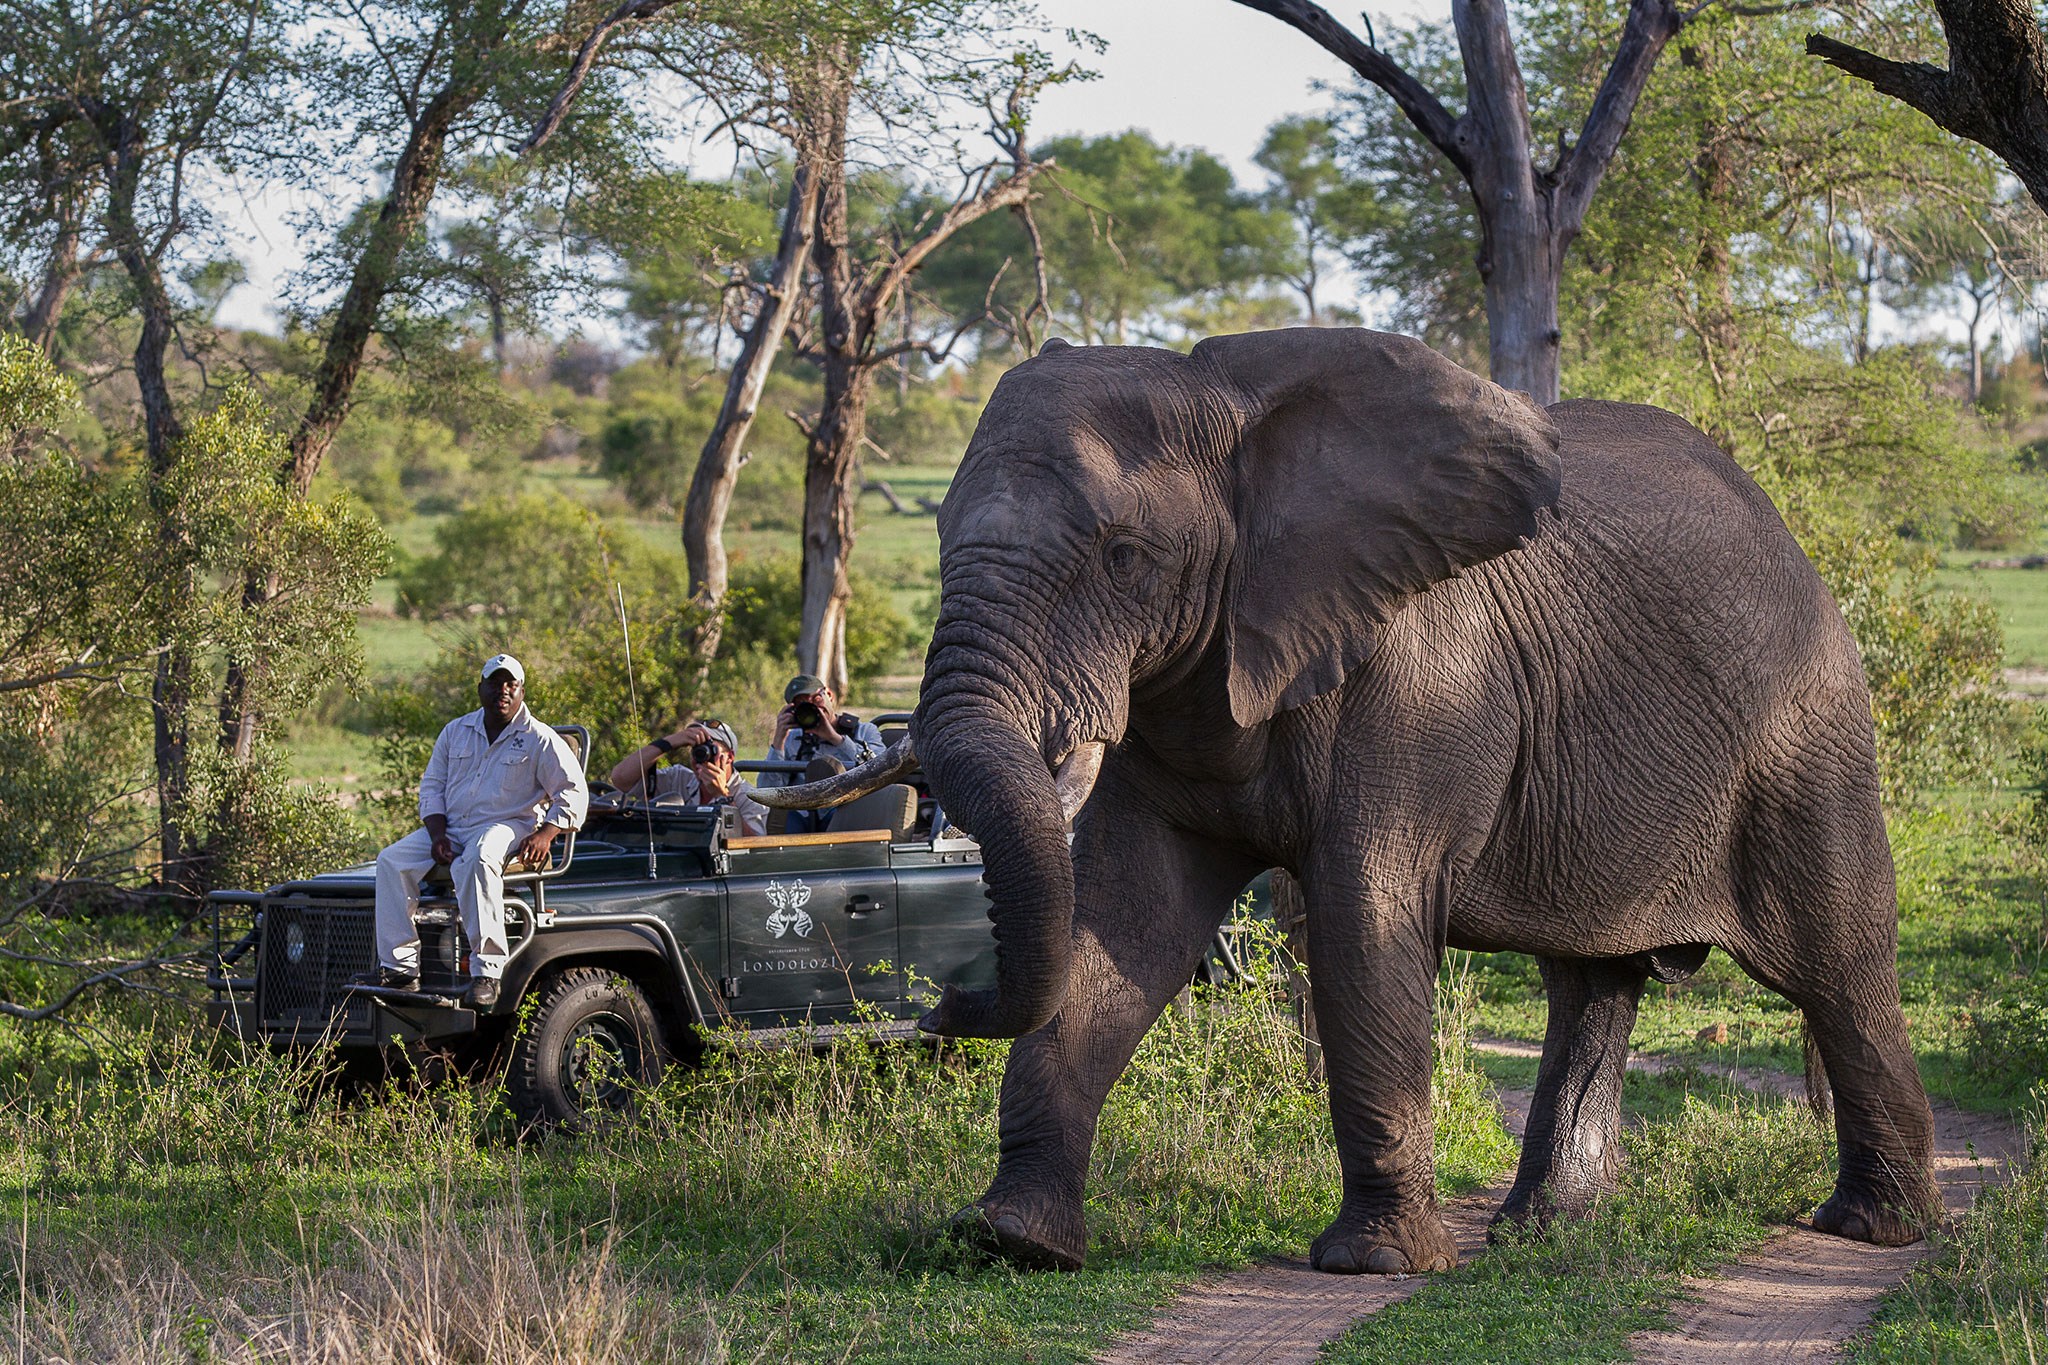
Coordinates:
<point>995,784</point>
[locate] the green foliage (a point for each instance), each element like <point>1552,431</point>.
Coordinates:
<point>764,609</point>
<point>535,557</point>
<point>1931,658</point>
<point>1135,234</point>
<point>259,826</point>
<point>32,392</point>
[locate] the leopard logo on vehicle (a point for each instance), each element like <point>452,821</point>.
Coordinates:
<point>789,902</point>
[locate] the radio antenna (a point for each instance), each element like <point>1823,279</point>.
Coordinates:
<point>633,693</point>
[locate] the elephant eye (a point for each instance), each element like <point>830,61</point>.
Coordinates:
<point>1128,561</point>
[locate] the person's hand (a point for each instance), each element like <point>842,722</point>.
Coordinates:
<point>446,850</point>
<point>713,779</point>
<point>785,721</point>
<point>534,847</point>
<point>690,736</point>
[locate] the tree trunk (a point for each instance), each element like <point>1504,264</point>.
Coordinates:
<point>1521,266</point>
<point>718,464</point>
<point>1976,352</point>
<point>413,182</point>
<point>1290,914</point>
<point>60,273</point>
<point>171,693</point>
<point>835,438</point>
<point>831,488</point>
<point>1528,216</point>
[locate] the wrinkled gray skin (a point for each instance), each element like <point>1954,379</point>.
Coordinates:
<point>1480,674</point>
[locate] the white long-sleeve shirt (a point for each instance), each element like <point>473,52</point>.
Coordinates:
<point>528,778</point>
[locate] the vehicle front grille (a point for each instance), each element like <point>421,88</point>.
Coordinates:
<point>310,949</point>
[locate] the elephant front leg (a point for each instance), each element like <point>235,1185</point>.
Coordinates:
<point>1572,1149</point>
<point>1148,901</point>
<point>1373,963</point>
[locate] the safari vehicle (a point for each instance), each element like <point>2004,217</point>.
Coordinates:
<point>651,922</point>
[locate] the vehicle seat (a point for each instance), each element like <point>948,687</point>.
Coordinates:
<point>893,808</point>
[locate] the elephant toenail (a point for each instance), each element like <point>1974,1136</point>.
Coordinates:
<point>1440,1263</point>
<point>1855,1229</point>
<point>1338,1260</point>
<point>1006,1225</point>
<point>1386,1261</point>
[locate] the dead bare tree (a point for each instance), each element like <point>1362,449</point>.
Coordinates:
<point>1529,214</point>
<point>855,304</point>
<point>1995,91</point>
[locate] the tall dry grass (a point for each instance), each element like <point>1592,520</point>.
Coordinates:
<point>456,1285</point>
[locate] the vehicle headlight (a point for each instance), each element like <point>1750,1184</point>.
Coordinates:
<point>294,944</point>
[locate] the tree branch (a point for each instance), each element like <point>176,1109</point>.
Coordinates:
<point>579,70</point>
<point>1650,25</point>
<point>1423,109</point>
<point>1994,93</point>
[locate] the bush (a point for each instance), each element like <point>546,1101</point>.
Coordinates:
<point>1931,658</point>
<point>535,558</point>
<point>764,609</point>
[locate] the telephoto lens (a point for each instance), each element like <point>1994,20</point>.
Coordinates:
<point>806,715</point>
<point>707,752</point>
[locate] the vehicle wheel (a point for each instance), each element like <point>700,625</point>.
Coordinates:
<point>591,1046</point>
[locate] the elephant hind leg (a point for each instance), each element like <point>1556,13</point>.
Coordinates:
<point>1820,920</point>
<point>1572,1148</point>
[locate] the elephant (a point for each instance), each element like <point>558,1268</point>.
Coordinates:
<point>1481,674</point>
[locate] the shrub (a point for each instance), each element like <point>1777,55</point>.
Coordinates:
<point>1931,658</point>
<point>765,608</point>
<point>536,558</point>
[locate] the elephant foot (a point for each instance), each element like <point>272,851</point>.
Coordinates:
<point>1004,1232</point>
<point>1385,1247</point>
<point>1864,1216</point>
<point>1529,1210</point>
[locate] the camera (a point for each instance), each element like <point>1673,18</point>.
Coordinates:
<point>707,752</point>
<point>806,715</point>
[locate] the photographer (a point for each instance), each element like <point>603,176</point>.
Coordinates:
<point>810,726</point>
<point>709,780</point>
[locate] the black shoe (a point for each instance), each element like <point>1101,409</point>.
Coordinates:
<point>483,993</point>
<point>387,978</point>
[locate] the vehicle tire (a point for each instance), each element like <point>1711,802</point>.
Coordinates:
<point>591,1045</point>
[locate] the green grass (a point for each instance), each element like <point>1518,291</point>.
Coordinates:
<point>2021,599</point>
<point>1710,1173</point>
<point>798,1203</point>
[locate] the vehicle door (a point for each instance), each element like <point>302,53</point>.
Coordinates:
<point>810,931</point>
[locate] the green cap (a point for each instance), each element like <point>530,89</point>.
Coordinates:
<point>802,685</point>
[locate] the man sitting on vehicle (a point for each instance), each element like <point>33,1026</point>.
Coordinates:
<point>708,780</point>
<point>499,787</point>
<point>810,729</point>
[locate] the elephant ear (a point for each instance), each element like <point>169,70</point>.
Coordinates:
<point>1369,468</point>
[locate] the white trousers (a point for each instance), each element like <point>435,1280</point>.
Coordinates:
<point>479,875</point>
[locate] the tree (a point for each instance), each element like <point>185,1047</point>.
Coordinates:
<point>858,292</point>
<point>1949,254</point>
<point>1529,214</point>
<point>1309,185</point>
<point>1994,92</point>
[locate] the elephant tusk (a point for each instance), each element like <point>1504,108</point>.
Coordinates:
<point>897,761</point>
<point>1076,778</point>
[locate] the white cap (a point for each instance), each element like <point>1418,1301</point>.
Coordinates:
<point>509,664</point>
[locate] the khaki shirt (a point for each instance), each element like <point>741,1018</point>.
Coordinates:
<point>678,782</point>
<point>528,778</point>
